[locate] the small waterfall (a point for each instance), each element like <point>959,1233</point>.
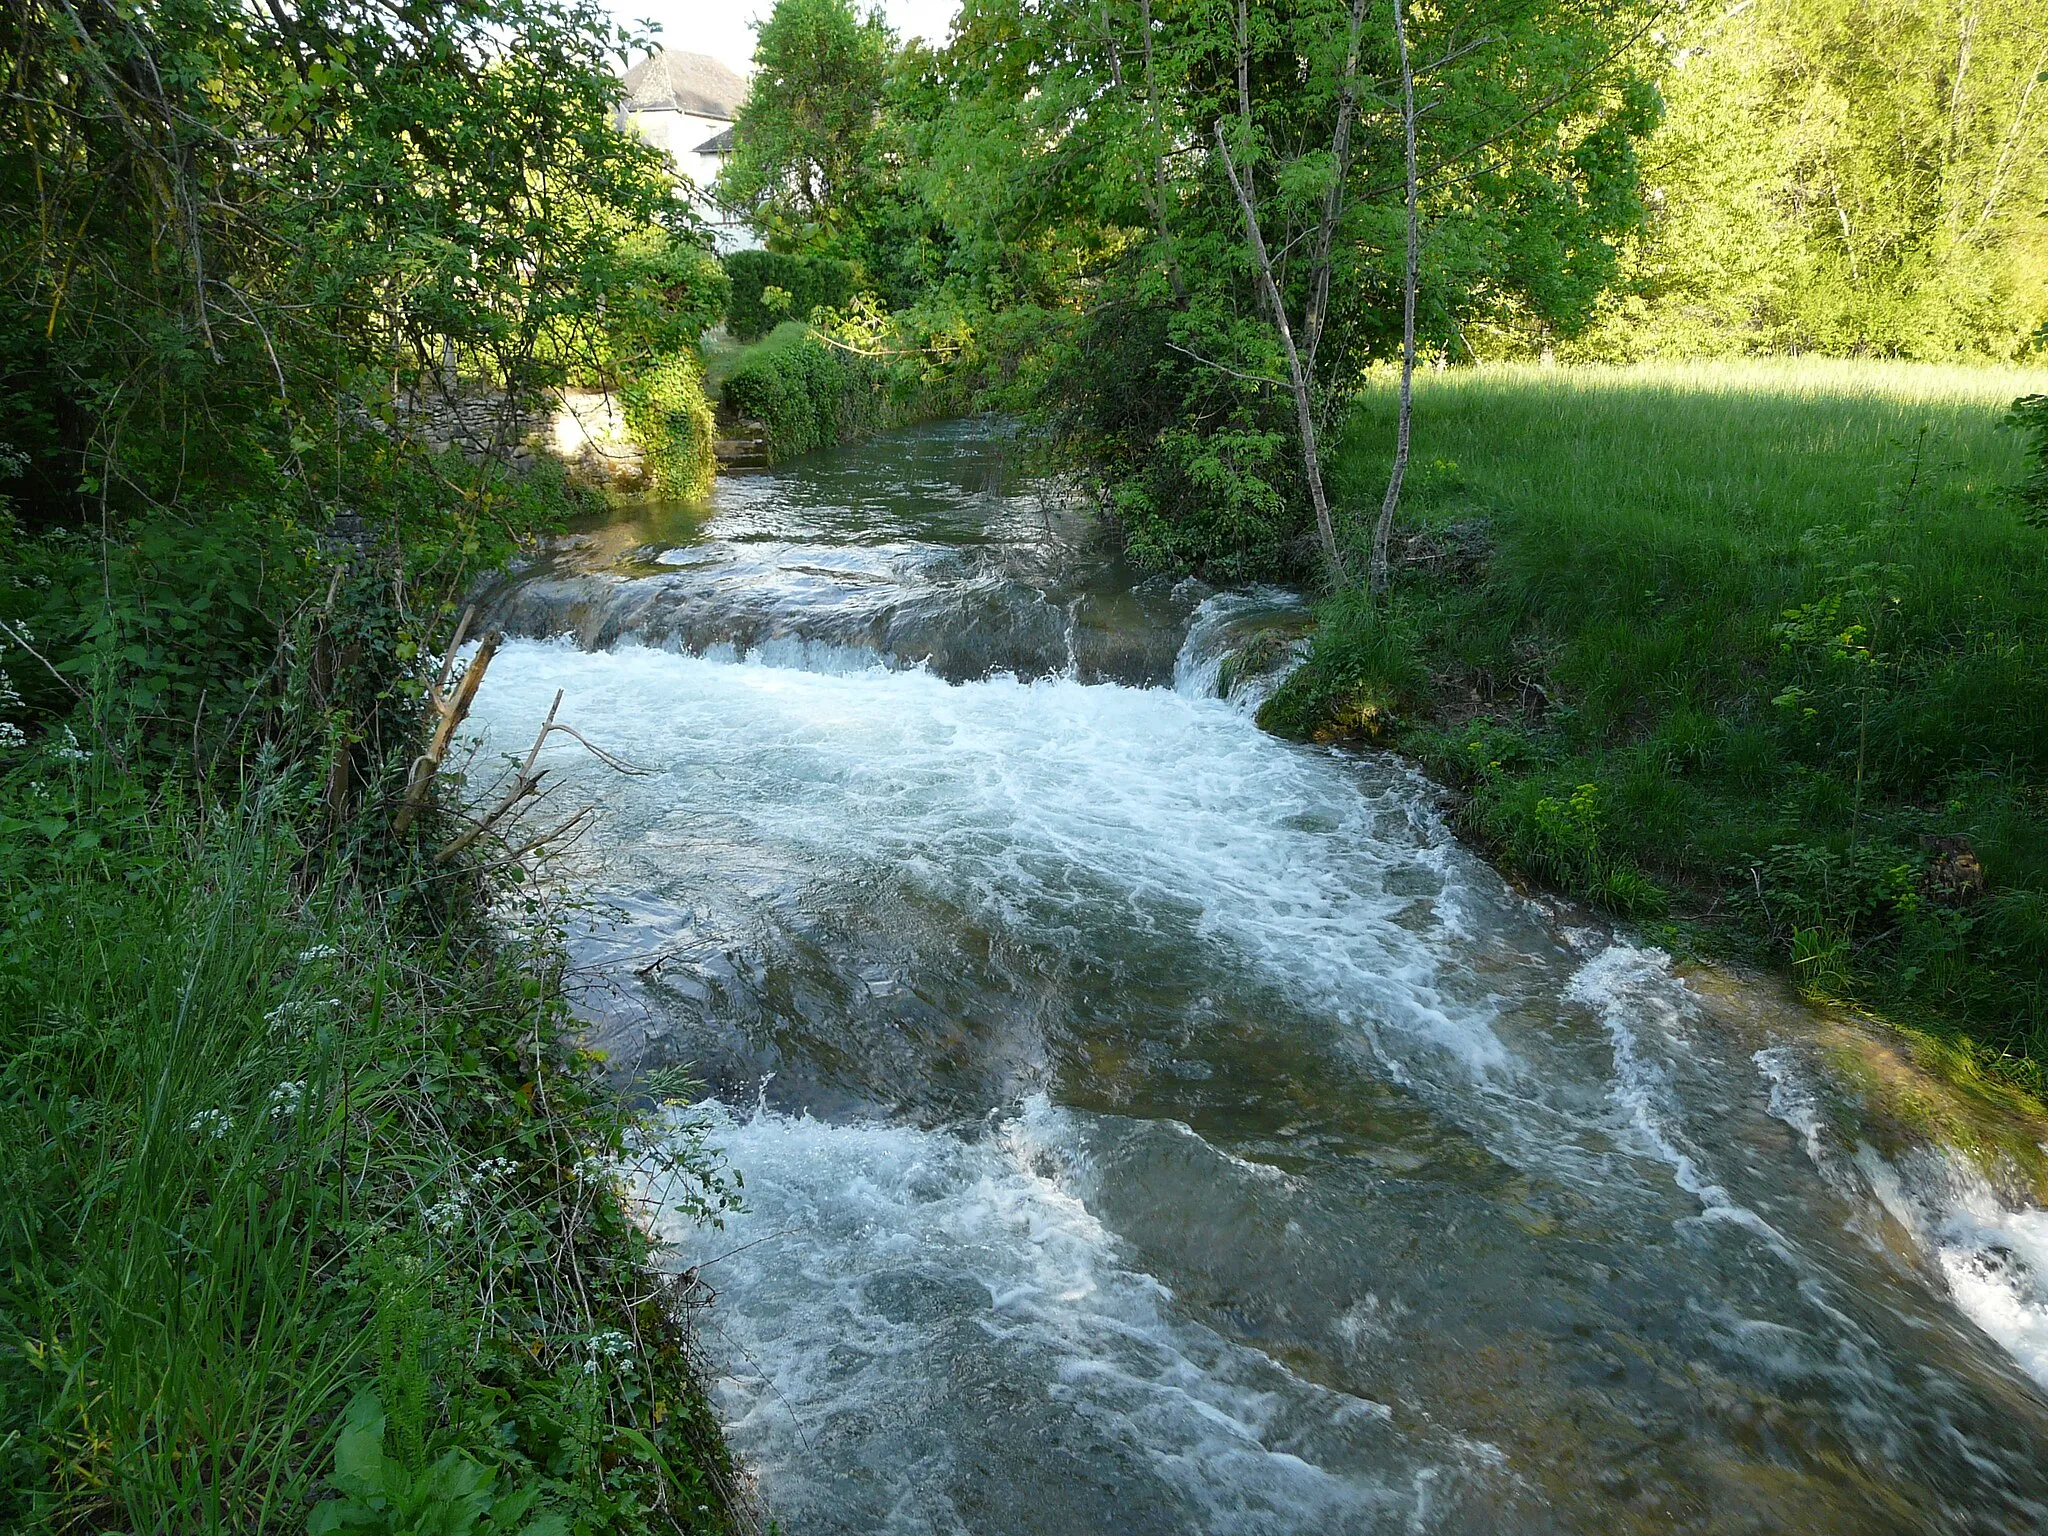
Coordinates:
<point>1261,629</point>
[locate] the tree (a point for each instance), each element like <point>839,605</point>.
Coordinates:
<point>802,163</point>
<point>1079,171</point>
<point>241,248</point>
<point>1845,176</point>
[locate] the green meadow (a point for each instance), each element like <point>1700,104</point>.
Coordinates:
<point>1759,649</point>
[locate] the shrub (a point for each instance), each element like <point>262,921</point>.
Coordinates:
<point>670,418</point>
<point>794,389</point>
<point>810,395</point>
<point>769,287</point>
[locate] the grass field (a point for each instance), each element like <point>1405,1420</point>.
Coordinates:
<point>1761,647</point>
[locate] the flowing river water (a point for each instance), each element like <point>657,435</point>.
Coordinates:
<point>1149,1125</point>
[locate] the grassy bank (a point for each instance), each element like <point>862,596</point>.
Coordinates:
<point>1760,649</point>
<point>309,1214</point>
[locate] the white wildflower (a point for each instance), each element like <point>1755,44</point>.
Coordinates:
<point>291,1015</point>
<point>611,1348</point>
<point>210,1123</point>
<point>71,751</point>
<point>12,735</point>
<point>494,1168</point>
<point>593,1169</point>
<point>447,1215</point>
<point>287,1099</point>
<point>316,952</point>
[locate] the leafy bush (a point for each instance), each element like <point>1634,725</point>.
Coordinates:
<point>795,389</point>
<point>810,393</point>
<point>803,285</point>
<point>671,419</point>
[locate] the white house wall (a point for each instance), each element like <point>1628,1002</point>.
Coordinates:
<point>679,133</point>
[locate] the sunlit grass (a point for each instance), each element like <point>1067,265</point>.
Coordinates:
<point>1782,613</point>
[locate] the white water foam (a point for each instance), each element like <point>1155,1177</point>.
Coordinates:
<point>1084,816</point>
<point>893,1293</point>
<point>1642,1005</point>
<point>1992,1255</point>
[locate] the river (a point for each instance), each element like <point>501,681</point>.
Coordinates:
<point>1149,1125</point>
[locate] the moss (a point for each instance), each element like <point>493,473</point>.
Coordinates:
<point>1257,656</point>
<point>1363,674</point>
<point>670,417</point>
<point>1916,1089</point>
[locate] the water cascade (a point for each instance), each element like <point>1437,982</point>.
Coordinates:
<point>1150,1125</point>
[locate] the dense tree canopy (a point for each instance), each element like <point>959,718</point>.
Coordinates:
<point>801,160</point>
<point>1072,152</point>
<point>242,251</point>
<point>1846,176</point>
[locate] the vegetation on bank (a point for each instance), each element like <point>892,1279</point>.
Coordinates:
<point>1761,648</point>
<point>313,1216</point>
<point>309,1218</point>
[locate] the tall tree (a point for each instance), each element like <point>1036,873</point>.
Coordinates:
<point>1079,170</point>
<point>802,162</point>
<point>1848,176</point>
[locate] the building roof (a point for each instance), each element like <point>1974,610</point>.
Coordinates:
<point>673,81</point>
<point>720,144</point>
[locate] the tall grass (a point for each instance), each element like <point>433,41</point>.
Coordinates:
<point>269,1159</point>
<point>1783,625</point>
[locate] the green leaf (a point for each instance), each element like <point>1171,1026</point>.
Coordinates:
<point>359,1449</point>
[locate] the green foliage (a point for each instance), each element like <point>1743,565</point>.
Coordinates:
<point>801,164</point>
<point>797,388</point>
<point>671,419</point>
<point>291,1125</point>
<point>197,1044</point>
<point>2030,415</point>
<point>1760,642</point>
<point>812,388</point>
<point>1362,674</point>
<point>1067,151</point>
<point>671,293</point>
<point>380,1494</point>
<point>1845,176</point>
<point>769,288</point>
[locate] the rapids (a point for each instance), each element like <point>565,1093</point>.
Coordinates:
<point>1152,1126</point>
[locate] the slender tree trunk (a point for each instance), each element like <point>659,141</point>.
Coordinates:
<point>1158,197</point>
<point>1304,403</point>
<point>1384,531</point>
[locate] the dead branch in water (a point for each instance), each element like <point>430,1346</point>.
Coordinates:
<point>526,787</point>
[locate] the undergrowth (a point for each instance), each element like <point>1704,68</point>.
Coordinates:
<point>311,1211</point>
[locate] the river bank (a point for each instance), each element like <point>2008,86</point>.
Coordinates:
<point>1752,654</point>
<point>312,1211</point>
<point>1151,1124</point>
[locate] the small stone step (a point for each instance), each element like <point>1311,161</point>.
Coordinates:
<point>741,452</point>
